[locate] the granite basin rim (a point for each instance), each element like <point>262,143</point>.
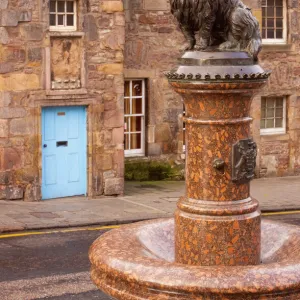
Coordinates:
<point>125,254</point>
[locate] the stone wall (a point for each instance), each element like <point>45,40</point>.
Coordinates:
<point>154,42</point>
<point>26,71</point>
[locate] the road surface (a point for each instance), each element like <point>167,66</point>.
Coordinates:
<point>55,265</point>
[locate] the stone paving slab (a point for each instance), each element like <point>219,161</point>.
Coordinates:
<point>142,200</point>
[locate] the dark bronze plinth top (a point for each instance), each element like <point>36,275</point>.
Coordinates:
<point>217,65</point>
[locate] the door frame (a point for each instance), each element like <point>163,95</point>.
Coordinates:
<point>56,101</point>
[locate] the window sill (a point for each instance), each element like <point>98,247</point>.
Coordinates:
<point>277,47</point>
<point>66,34</point>
<point>136,157</point>
<point>266,137</point>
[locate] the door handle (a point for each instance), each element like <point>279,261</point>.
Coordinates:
<point>45,145</point>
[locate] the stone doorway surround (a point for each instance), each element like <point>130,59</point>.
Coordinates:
<point>79,99</point>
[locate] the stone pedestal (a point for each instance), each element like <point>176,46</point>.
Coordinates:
<point>217,222</point>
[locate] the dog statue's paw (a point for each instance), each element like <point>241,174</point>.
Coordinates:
<point>190,46</point>
<point>229,45</point>
<point>203,44</point>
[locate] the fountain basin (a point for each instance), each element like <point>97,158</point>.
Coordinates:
<point>137,262</point>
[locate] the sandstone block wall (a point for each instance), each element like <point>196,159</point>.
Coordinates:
<point>26,72</point>
<point>154,42</point>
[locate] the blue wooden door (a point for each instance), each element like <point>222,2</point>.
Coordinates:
<point>64,155</point>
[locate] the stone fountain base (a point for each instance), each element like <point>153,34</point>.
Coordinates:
<point>137,262</point>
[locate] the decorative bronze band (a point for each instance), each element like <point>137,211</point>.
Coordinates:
<point>218,208</point>
<point>190,120</point>
<point>174,76</point>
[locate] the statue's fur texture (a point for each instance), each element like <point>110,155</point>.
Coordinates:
<point>227,23</point>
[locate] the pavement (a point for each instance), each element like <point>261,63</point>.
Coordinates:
<point>142,200</point>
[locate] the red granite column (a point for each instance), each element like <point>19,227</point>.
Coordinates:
<point>217,222</point>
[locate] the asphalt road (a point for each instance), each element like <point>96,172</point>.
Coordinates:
<point>55,266</point>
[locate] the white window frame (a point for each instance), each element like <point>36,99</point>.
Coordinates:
<point>280,130</point>
<point>284,39</point>
<point>64,28</point>
<point>141,151</point>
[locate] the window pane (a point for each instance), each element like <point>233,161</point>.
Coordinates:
<point>264,12</point>
<point>270,23</point>
<point>126,142</point>
<point>270,113</point>
<point>279,102</point>
<point>137,107</point>
<point>279,2</point>
<point>279,123</point>
<point>270,34</point>
<point>61,6</point>
<point>279,112</point>
<point>127,88</point>
<point>279,23</point>
<point>271,2</point>
<point>60,20</point>
<point>52,20</point>
<point>270,12</point>
<point>270,102</point>
<point>52,6</point>
<point>136,124</point>
<point>135,141</point>
<point>263,124</point>
<point>70,6</point>
<point>70,20</point>
<point>137,88</point>
<point>127,106</point>
<point>264,35</point>
<point>270,123</point>
<point>263,113</point>
<point>279,11</point>
<point>279,34</point>
<point>127,124</point>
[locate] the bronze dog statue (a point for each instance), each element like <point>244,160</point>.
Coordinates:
<point>226,23</point>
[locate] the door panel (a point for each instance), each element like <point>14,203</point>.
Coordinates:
<point>50,169</point>
<point>64,151</point>
<point>73,163</point>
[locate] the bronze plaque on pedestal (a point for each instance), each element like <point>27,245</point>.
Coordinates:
<point>244,154</point>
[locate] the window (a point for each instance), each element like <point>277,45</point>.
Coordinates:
<point>134,109</point>
<point>274,29</point>
<point>273,115</point>
<point>62,15</point>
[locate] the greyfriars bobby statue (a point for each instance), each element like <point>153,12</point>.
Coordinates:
<point>228,24</point>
